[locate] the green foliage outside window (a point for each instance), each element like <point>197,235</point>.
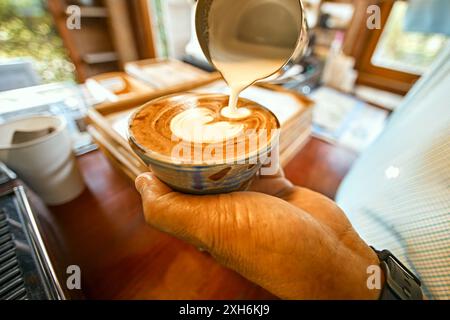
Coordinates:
<point>161,36</point>
<point>27,30</point>
<point>410,52</point>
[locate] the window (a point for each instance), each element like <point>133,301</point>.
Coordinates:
<point>404,51</point>
<point>392,58</point>
<point>27,30</point>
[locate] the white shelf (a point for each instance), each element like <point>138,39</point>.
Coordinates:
<point>100,57</point>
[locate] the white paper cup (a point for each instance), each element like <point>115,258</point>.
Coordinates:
<point>46,164</point>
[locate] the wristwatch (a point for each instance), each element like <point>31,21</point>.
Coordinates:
<point>401,283</point>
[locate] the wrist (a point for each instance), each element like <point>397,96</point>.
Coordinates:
<point>362,276</point>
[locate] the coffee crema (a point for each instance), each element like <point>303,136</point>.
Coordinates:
<point>192,128</point>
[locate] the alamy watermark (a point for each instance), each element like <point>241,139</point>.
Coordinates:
<point>374,18</point>
<point>73,281</point>
<point>252,147</point>
<point>73,21</point>
<point>374,277</point>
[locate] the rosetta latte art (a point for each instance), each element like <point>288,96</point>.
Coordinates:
<point>196,125</point>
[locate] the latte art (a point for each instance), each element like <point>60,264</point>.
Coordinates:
<point>196,125</point>
<point>231,113</point>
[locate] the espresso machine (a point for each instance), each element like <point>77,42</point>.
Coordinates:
<point>26,269</point>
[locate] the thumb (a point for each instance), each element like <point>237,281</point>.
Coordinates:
<point>151,187</point>
<point>181,215</point>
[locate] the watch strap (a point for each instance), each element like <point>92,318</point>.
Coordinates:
<point>401,283</point>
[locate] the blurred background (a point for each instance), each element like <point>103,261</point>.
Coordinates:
<point>36,30</point>
<point>378,66</point>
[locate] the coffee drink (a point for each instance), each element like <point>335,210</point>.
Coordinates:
<point>193,148</point>
<point>195,126</point>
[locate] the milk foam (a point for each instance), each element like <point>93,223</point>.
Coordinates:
<point>240,71</point>
<point>196,125</point>
<point>239,113</point>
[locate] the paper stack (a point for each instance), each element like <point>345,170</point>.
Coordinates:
<point>164,74</point>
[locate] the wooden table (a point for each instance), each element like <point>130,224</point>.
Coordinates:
<point>103,232</point>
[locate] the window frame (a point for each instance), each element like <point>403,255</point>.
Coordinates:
<point>364,45</point>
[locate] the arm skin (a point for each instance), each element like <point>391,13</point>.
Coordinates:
<point>293,242</point>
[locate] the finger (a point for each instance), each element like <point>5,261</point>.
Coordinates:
<point>274,185</point>
<point>147,184</point>
<point>320,207</point>
<point>184,216</point>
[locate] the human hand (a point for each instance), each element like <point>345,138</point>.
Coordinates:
<point>293,242</point>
